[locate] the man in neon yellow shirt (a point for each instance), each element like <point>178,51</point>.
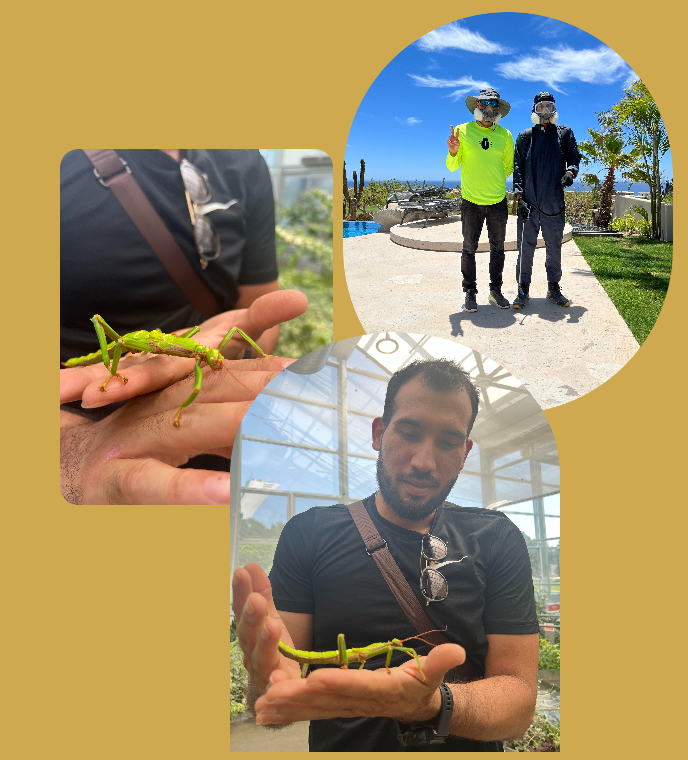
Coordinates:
<point>485,153</point>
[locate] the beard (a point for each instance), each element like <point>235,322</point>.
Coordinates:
<point>410,510</point>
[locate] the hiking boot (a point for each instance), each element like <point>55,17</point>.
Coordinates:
<point>523,296</point>
<point>471,304</point>
<point>554,294</point>
<point>498,299</point>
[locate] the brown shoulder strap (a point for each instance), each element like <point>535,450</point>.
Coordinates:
<point>116,175</point>
<point>376,547</point>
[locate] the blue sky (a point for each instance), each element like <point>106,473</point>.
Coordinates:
<point>402,124</point>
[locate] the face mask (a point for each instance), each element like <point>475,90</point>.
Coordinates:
<point>489,114</point>
<point>544,117</point>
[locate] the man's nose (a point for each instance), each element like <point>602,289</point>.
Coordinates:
<point>424,456</point>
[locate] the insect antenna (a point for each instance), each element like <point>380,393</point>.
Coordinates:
<point>420,636</point>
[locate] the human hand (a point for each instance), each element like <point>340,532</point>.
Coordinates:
<point>150,372</point>
<point>400,694</point>
<point>523,208</point>
<point>259,627</point>
<point>567,179</point>
<point>453,142</point>
<point>132,456</point>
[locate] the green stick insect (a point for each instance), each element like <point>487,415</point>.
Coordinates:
<point>343,656</point>
<point>156,342</point>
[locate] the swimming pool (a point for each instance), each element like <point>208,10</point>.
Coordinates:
<point>355,229</point>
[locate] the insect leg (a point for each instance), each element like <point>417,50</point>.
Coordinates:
<point>230,335</point>
<point>115,361</point>
<point>196,390</point>
<point>103,327</point>
<point>343,656</point>
<point>304,669</point>
<point>412,653</point>
<point>190,333</point>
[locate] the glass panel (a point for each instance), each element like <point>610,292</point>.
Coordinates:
<point>362,480</point>
<point>282,420</point>
<point>360,360</point>
<point>291,469</point>
<point>263,517</point>
<point>365,393</point>
<point>525,523</point>
<point>322,386</point>
<point>360,434</point>
<point>550,476</point>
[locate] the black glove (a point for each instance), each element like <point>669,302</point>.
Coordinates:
<point>567,179</point>
<point>523,208</point>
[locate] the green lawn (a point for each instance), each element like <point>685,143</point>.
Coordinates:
<point>634,271</point>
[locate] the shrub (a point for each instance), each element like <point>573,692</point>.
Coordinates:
<point>304,250</point>
<point>238,680</point>
<point>579,206</point>
<point>628,223</point>
<point>549,656</point>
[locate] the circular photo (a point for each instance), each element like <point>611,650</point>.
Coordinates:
<point>509,184</point>
<point>394,527</point>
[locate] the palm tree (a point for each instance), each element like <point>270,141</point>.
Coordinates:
<point>606,147</point>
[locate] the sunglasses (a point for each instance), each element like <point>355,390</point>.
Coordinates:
<point>493,103</point>
<point>198,192</point>
<point>433,585</point>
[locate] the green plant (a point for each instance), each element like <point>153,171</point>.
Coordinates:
<point>238,680</point>
<point>543,735</point>
<point>637,114</point>
<point>353,199</point>
<point>579,206</point>
<point>304,251</point>
<point>606,147</point>
<point>628,223</point>
<point>549,656</point>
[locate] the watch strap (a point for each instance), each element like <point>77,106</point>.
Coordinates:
<point>416,735</point>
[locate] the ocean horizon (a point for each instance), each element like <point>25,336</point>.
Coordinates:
<point>636,188</point>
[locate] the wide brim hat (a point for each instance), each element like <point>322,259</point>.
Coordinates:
<point>471,100</point>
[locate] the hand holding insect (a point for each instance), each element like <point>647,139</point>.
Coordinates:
<point>400,693</point>
<point>146,372</point>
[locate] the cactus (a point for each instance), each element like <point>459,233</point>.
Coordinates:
<point>353,200</point>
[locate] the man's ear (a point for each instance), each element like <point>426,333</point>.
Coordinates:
<point>469,446</point>
<point>378,430</point>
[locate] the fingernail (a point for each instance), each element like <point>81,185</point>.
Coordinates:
<point>92,406</point>
<point>287,362</point>
<point>248,607</point>
<point>264,633</point>
<point>217,489</point>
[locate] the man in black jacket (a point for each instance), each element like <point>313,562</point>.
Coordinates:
<point>546,161</point>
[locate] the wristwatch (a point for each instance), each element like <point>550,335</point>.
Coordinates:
<point>418,734</point>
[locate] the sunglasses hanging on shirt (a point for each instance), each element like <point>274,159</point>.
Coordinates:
<point>433,585</point>
<point>198,192</point>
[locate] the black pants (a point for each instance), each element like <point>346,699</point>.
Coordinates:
<point>472,218</point>
<point>527,234</point>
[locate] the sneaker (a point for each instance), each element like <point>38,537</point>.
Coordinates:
<point>498,299</point>
<point>471,304</point>
<point>523,296</point>
<point>554,294</point>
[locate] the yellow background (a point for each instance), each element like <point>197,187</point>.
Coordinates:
<point>115,619</point>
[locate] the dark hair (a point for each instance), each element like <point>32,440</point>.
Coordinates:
<point>440,375</point>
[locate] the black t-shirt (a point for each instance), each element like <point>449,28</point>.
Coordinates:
<point>107,268</point>
<point>321,567</point>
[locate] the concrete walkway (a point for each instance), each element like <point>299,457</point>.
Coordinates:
<point>559,353</point>
<point>246,736</point>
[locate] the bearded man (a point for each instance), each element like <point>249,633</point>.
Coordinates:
<point>326,580</point>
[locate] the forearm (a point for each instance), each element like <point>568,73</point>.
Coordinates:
<point>493,709</point>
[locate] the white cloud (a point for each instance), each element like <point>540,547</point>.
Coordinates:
<point>463,85</point>
<point>632,77</point>
<point>551,28</point>
<point>454,36</point>
<point>564,64</point>
<point>411,121</point>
